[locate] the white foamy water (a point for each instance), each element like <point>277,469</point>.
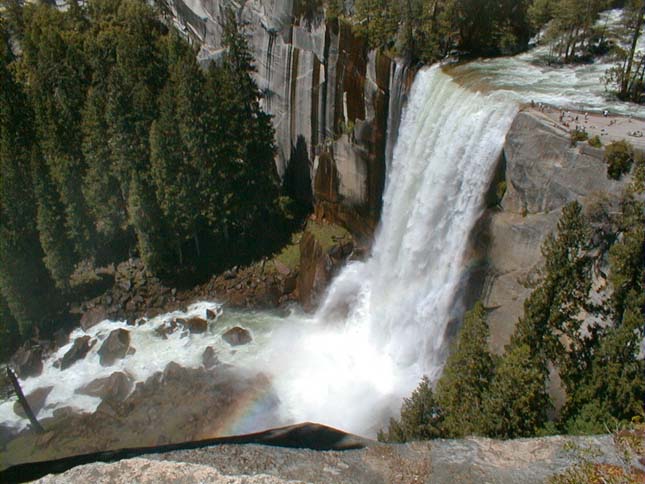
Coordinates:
<point>527,77</point>
<point>383,323</point>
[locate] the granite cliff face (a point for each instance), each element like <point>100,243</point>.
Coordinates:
<point>330,98</point>
<point>543,172</point>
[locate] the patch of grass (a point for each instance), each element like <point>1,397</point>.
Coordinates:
<point>328,234</point>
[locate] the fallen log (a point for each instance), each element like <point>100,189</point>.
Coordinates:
<point>23,401</point>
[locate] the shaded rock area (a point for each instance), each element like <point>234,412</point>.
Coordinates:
<point>79,349</point>
<point>35,399</point>
<point>114,347</point>
<point>442,461</point>
<point>28,361</point>
<point>174,405</point>
<point>209,358</point>
<point>543,172</point>
<point>237,336</point>
<point>114,388</point>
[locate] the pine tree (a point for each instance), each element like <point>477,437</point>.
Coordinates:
<point>60,257</point>
<point>611,389</point>
<point>57,77</point>
<point>551,312</point>
<point>178,150</point>
<point>421,417</point>
<point>249,160</point>
<point>135,81</point>
<point>9,331</point>
<point>100,185</point>
<point>22,273</point>
<point>517,402</point>
<point>466,377</point>
<point>148,223</point>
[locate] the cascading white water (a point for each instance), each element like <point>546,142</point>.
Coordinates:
<point>383,323</point>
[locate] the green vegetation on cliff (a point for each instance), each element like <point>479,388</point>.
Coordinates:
<point>427,30</point>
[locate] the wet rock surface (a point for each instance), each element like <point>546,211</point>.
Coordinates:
<point>79,349</point>
<point>115,347</point>
<point>237,336</point>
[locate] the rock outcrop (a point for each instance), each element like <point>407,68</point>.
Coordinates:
<point>237,336</point>
<point>114,388</point>
<point>80,347</point>
<point>330,98</point>
<point>440,461</point>
<point>28,361</point>
<point>114,347</point>
<point>543,172</point>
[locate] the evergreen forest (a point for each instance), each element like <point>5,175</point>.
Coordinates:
<point>115,142</point>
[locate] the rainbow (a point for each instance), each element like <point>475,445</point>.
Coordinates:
<point>256,409</point>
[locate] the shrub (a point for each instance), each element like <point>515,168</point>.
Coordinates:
<point>619,156</point>
<point>578,135</point>
<point>595,142</point>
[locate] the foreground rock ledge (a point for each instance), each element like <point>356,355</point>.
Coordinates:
<point>440,461</point>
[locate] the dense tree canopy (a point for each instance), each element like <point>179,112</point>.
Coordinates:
<point>114,141</point>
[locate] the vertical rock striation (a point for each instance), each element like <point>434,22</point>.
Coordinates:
<point>329,96</point>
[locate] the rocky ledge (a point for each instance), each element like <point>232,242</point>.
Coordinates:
<point>362,461</point>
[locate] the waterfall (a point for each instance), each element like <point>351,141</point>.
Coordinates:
<point>383,323</point>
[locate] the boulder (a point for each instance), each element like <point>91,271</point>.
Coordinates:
<point>35,399</point>
<point>114,347</point>
<point>209,358</point>
<point>93,316</point>
<point>196,325</point>
<point>79,349</point>
<point>28,361</point>
<point>211,314</point>
<point>237,336</point>
<point>115,387</point>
